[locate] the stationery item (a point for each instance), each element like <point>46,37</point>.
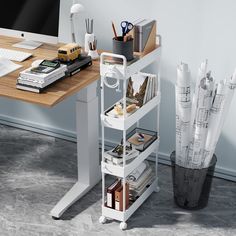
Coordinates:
<point>46,66</point>
<point>89,36</point>
<point>119,197</point>
<point>93,49</point>
<point>144,35</point>
<point>7,66</point>
<point>89,26</point>
<point>111,193</point>
<point>114,30</point>
<point>148,137</point>
<point>124,48</point>
<point>126,27</point>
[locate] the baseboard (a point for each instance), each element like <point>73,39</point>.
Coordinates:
<point>38,128</point>
<point>221,172</point>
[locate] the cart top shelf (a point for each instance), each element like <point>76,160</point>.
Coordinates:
<point>114,65</point>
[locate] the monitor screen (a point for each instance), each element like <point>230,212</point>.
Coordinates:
<point>33,16</point>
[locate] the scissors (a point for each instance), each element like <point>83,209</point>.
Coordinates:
<point>126,27</point>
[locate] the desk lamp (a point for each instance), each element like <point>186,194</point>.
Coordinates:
<point>75,9</point>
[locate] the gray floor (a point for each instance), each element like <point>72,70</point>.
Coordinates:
<point>36,171</point>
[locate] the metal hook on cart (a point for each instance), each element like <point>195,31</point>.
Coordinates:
<point>114,73</point>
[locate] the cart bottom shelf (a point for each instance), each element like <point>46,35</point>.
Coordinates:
<point>124,216</point>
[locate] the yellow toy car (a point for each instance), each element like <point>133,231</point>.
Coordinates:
<point>69,52</point>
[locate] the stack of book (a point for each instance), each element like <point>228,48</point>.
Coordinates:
<point>30,80</point>
<point>139,180</point>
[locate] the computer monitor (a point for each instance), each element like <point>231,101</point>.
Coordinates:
<point>35,20</point>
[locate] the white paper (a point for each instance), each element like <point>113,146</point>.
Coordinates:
<point>7,66</point>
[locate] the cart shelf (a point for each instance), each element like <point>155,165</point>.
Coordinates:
<point>125,123</point>
<point>129,70</point>
<point>123,172</point>
<point>124,216</point>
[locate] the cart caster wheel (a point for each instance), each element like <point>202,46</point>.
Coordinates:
<point>123,226</point>
<point>102,220</point>
<point>55,218</point>
<point>157,190</point>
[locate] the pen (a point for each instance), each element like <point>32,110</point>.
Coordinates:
<point>114,30</point>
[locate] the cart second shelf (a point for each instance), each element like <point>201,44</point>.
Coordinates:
<point>126,123</point>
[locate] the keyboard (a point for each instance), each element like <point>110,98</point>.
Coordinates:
<point>14,55</point>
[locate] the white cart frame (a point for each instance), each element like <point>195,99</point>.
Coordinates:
<point>122,73</point>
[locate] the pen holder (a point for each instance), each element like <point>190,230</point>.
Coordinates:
<point>93,54</point>
<point>124,48</point>
<point>89,38</point>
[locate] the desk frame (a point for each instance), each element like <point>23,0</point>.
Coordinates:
<point>89,173</point>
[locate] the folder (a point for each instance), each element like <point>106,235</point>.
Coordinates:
<point>111,193</point>
<point>119,198</point>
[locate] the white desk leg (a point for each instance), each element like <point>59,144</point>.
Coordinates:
<point>89,170</point>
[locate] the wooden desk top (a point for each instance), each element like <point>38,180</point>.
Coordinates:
<point>56,92</point>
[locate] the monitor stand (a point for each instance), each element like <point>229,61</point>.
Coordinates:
<point>28,44</point>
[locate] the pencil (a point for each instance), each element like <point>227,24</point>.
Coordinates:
<point>114,30</point>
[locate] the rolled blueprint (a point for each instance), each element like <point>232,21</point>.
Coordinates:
<point>201,74</point>
<point>226,90</point>
<point>202,119</point>
<point>183,113</point>
<point>214,122</point>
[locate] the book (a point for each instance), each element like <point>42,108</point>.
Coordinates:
<point>111,193</point>
<point>119,197</point>
<point>136,88</point>
<point>42,77</point>
<point>28,88</point>
<point>142,87</point>
<point>40,84</point>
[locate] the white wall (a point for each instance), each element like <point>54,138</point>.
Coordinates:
<point>191,31</point>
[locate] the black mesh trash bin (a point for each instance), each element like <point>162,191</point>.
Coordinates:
<point>192,186</point>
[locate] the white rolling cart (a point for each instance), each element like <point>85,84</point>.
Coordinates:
<point>121,73</point>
